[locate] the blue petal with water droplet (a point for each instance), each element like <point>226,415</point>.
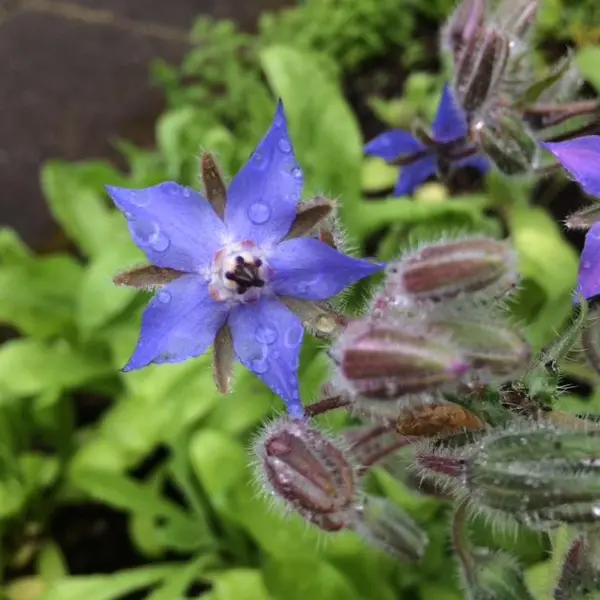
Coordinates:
<point>311,270</point>
<point>392,144</point>
<point>588,281</point>
<point>263,196</point>
<point>274,362</point>
<point>174,225</point>
<point>180,322</point>
<point>580,158</point>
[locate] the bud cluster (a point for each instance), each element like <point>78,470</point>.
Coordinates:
<point>434,327</point>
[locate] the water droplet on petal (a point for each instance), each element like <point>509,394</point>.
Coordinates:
<point>587,264</point>
<point>139,198</point>
<point>297,172</point>
<point>293,336</point>
<point>164,297</point>
<point>259,161</point>
<point>160,242</point>
<point>186,192</point>
<point>144,232</point>
<point>265,334</point>
<point>275,354</point>
<point>259,213</point>
<point>259,366</point>
<point>284,145</point>
<point>170,187</point>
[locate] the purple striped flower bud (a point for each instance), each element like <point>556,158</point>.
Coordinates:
<point>479,266</point>
<point>309,471</point>
<point>387,360</point>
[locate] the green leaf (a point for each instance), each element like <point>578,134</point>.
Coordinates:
<point>76,197</point>
<point>37,296</point>
<point>179,531</point>
<point>107,587</point>
<point>12,248</point>
<point>587,60</point>
<point>51,563</point>
<point>546,258</point>
<point>326,135</point>
<point>377,175</point>
<point>220,463</point>
<point>99,299</point>
<point>239,584</point>
<point>299,579</point>
<point>29,367</point>
<point>176,585</point>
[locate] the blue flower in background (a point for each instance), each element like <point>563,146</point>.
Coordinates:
<point>233,270</point>
<point>421,160</point>
<point>588,280</point>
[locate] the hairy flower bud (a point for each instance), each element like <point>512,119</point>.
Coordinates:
<point>507,142</point>
<point>541,475</point>
<point>479,266</point>
<point>495,349</point>
<point>480,71</point>
<point>463,26</point>
<point>309,472</point>
<point>516,17</point>
<point>391,529</point>
<point>388,360</point>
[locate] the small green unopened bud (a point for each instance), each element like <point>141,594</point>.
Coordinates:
<point>495,349</point>
<point>388,527</point>
<point>540,475</point>
<point>479,266</point>
<point>508,144</point>
<point>382,361</point>
<point>309,472</point>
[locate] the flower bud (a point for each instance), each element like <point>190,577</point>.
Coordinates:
<point>579,577</point>
<point>464,25</point>
<point>382,361</point>
<point>507,142</point>
<point>516,17</point>
<point>541,475</point>
<point>481,69</point>
<point>494,348</point>
<point>478,266</point>
<point>309,472</point>
<point>391,529</point>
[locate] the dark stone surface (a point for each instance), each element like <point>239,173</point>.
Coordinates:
<point>74,76</point>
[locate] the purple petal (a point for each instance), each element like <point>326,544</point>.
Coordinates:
<point>180,322</point>
<point>393,143</point>
<point>308,269</point>
<point>174,225</point>
<point>262,198</point>
<point>413,175</point>
<point>267,339</point>
<point>478,162</point>
<point>580,157</point>
<point>588,282</point>
<point>450,122</point>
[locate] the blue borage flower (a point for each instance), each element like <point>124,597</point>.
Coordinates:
<point>422,160</point>
<point>580,158</point>
<point>235,269</point>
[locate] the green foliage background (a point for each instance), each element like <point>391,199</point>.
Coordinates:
<point>77,330</point>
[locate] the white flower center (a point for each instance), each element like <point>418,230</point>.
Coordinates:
<point>239,273</point>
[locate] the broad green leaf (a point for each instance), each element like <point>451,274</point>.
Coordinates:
<point>76,197</point>
<point>51,564</point>
<point>239,584</point>
<point>179,530</point>
<point>37,296</point>
<point>99,299</point>
<point>587,60</point>
<point>29,367</point>
<point>299,579</point>
<point>12,248</point>
<point>326,135</point>
<point>546,258</point>
<point>175,586</point>
<point>377,175</point>
<point>220,463</point>
<point>107,587</point>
